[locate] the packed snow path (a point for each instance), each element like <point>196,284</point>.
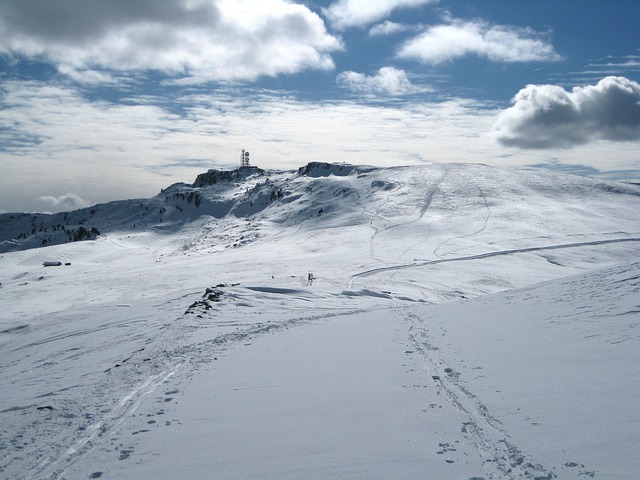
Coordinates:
<point>425,263</point>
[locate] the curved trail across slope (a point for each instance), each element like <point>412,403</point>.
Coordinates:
<point>479,256</point>
<point>485,222</point>
<point>430,186</point>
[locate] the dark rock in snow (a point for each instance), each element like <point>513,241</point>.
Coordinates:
<point>212,177</point>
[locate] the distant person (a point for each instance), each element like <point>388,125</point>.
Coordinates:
<point>310,278</point>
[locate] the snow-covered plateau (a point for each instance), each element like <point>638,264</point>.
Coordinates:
<point>447,321</point>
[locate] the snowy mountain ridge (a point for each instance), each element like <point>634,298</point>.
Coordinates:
<point>289,198</point>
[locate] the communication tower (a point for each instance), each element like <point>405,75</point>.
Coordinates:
<point>244,159</point>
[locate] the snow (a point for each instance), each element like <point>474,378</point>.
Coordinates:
<point>552,364</point>
<point>464,322</point>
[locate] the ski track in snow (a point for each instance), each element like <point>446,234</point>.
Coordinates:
<point>485,220</point>
<point>501,457</point>
<point>431,191</point>
<point>77,432</point>
<point>54,467</point>
<point>425,185</point>
<point>480,256</point>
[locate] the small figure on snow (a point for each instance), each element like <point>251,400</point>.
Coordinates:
<point>310,279</point>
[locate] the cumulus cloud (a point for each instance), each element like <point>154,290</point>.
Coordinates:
<point>388,81</point>
<point>204,39</point>
<point>358,13</point>
<point>548,116</point>
<point>387,28</point>
<point>498,43</point>
<point>67,202</point>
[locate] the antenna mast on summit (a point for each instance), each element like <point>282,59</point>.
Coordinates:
<point>244,159</point>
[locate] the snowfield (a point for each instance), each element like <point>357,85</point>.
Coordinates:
<point>464,322</point>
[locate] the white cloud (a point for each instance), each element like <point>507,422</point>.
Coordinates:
<point>388,81</point>
<point>498,43</point>
<point>357,13</point>
<point>86,76</point>
<point>203,39</point>
<point>388,28</point>
<point>629,63</point>
<point>547,116</point>
<point>67,202</point>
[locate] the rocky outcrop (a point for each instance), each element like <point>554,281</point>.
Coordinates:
<point>211,177</point>
<point>322,169</point>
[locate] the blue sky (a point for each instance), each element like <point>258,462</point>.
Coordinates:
<point>104,100</point>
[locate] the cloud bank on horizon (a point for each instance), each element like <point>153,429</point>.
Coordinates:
<point>115,99</point>
<point>68,201</point>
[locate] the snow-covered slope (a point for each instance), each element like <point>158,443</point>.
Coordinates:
<point>194,346</point>
<point>390,201</point>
